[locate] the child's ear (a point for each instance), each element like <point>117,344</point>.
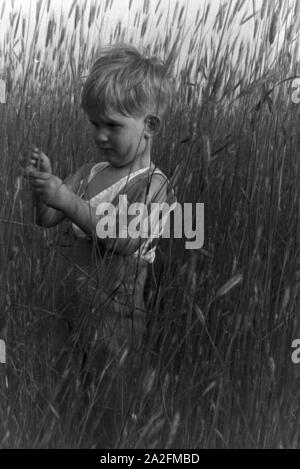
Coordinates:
<point>152,125</point>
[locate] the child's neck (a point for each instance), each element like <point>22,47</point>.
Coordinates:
<point>143,161</point>
<point>137,165</point>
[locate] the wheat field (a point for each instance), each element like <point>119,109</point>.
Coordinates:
<point>215,370</point>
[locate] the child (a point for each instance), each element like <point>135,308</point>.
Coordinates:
<point>101,280</point>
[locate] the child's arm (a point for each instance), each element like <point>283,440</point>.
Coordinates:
<point>54,193</point>
<point>46,215</point>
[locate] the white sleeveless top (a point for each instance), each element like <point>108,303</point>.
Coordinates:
<point>108,195</point>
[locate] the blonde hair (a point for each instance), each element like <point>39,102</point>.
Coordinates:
<point>125,81</point>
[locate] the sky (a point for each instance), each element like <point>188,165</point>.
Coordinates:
<point>125,11</point>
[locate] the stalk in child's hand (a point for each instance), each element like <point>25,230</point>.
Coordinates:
<point>39,162</point>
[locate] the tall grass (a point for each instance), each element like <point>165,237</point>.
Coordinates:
<point>215,370</point>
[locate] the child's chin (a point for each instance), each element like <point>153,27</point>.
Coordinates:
<point>113,160</point>
<point>115,164</point>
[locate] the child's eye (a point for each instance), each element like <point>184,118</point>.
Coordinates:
<point>110,125</point>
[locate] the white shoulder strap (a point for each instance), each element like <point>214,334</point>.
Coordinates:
<point>96,168</point>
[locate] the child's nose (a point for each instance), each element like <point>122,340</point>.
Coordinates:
<point>101,135</point>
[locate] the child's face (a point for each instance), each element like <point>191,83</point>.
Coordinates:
<point>120,139</point>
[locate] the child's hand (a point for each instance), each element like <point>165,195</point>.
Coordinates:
<point>48,187</point>
<point>39,161</point>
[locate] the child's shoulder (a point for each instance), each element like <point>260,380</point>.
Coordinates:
<point>154,182</point>
<point>87,169</point>
<point>159,178</point>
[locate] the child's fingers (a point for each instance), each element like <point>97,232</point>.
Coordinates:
<point>34,159</point>
<point>29,169</point>
<point>37,151</point>
<point>39,175</point>
<point>37,156</point>
<point>40,157</point>
<point>37,183</point>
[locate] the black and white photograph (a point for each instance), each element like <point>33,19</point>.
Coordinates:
<point>149,227</point>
